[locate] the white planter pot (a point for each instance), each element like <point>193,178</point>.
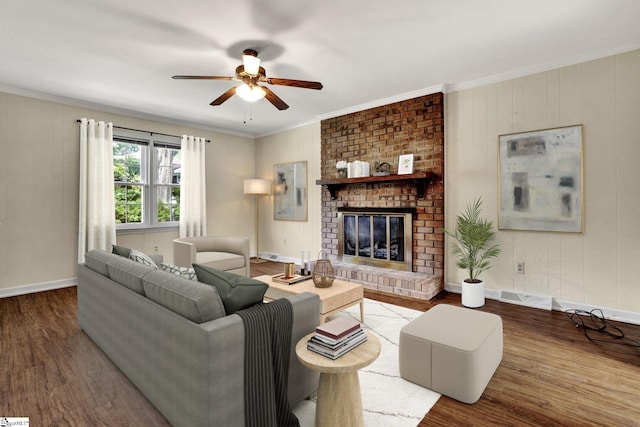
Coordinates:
<point>473,294</point>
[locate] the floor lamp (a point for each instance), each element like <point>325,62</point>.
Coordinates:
<point>257,187</point>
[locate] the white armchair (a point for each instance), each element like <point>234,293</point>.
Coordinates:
<point>226,253</point>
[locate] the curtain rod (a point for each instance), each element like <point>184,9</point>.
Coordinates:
<point>149,132</point>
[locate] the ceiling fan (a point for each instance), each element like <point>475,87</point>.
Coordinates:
<point>250,73</point>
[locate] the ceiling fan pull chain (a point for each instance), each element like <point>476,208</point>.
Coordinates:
<point>244,112</point>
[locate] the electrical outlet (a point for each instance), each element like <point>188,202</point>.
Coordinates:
<point>284,241</point>
<point>155,248</point>
<point>520,267</point>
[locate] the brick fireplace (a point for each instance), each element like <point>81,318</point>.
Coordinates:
<point>414,126</point>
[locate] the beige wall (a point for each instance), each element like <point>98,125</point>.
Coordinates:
<point>39,188</point>
<point>288,238</point>
<point>601,266</point>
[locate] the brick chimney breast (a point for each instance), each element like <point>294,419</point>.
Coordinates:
<point>414,126</point>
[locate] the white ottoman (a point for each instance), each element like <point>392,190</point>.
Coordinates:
<point>452,350</point>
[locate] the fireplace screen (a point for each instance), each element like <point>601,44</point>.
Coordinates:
<point>381,239</point>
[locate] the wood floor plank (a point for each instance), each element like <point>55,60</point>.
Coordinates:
<point>550,375</point>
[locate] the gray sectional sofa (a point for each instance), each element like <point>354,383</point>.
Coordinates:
<point>171,337</point>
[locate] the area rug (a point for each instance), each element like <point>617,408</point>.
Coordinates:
<point>387,399</point>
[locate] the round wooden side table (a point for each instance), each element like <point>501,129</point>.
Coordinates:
<point>339,400</point>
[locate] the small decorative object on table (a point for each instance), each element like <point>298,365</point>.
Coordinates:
<point>323,273</point>
<point>289,270</point>
<point>280,278</point>
<point>341,167</point>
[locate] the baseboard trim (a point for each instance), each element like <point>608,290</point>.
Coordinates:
<point>625,316</point>
<point>38,287</point>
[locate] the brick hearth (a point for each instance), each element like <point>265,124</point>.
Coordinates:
<point>414,126</point>
<point>407,283</point>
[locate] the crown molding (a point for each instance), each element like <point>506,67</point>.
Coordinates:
<point>367,106</point>
<point>384,101</point>
<point>541,68</point>
<point>444,87</point>
<point>72,102</point>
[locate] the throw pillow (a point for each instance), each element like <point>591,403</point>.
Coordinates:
<point>237,292</point>
<point>142,258</point>
<point>184,272</point>
<point>121,250</point>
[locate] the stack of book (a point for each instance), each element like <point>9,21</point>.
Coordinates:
<point>337,337</point>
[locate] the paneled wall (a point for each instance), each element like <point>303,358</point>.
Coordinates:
<point>599,267</point>
<point>288,238</point>
<point>39,157</point>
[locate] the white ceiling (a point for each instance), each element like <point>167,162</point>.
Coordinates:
<point>120,55</point>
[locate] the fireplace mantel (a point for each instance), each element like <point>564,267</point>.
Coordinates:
<point>421,179</point>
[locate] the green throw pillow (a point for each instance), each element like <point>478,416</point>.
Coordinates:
<point>237,292</point>
<point>121,250</point>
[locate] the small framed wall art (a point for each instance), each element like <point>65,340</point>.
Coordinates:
<point>405,164</point>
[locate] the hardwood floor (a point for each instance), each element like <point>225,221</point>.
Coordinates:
<point>550,375</point>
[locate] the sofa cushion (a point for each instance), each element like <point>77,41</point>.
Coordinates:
<point>236,292</point>
<point>184,272</point>
<point>142,258</point>
<point>98,261</point>
<point>121,250</point>
<point>220,260</point>
<point>128,273</point>
<point>195,301</point>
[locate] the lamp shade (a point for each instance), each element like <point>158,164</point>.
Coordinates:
<point>251,62</point>
<point>250,93</point>
<point>257,186</point>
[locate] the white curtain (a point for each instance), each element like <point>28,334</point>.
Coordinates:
<point>193,202</point>
<point>97,224</point>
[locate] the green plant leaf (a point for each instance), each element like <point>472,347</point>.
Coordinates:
<point>472,236</point>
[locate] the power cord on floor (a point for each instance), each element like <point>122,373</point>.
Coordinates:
<point>594,322</point>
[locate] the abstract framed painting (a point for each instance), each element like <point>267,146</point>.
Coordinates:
<point>540,180</point>
<point>290,191</point>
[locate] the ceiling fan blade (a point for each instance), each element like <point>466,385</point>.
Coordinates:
<point>295,83</point>
<point>204,77</point>
<point>274,99</point>
<point>228,94</point>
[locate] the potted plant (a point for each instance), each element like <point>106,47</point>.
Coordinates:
<point>472,237</point>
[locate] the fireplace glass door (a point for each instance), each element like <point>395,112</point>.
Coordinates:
<point>372,239</point>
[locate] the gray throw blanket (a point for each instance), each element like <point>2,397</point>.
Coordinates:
<point>267,329</point>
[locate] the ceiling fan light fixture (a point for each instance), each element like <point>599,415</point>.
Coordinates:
<point>251,62</point>
<point>250,93</point>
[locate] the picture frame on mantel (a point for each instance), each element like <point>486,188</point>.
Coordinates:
<point>290,191</point>
<point>405,164</point>
<point>540,180</point>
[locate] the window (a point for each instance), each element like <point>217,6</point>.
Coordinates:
<point>146,173</point>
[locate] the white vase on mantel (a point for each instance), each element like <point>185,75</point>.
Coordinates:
<point>473,294</point>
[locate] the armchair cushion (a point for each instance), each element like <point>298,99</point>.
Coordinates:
<point>220,260</point>
<point>225,253</point>
<point>237,292</point>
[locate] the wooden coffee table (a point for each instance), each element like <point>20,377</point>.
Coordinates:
<point>339,400</point>
<point>337,297</point>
